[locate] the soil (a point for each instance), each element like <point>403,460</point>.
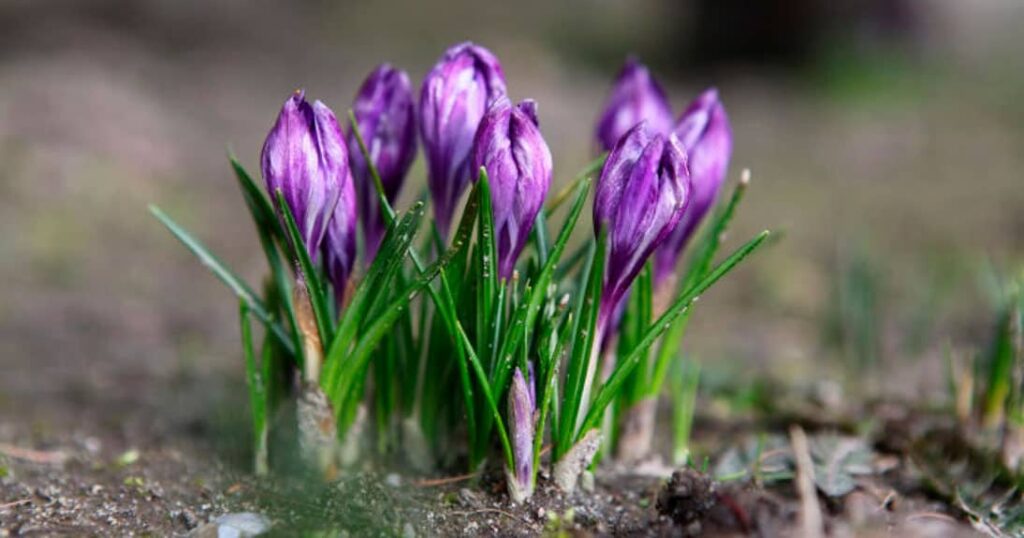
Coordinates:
<point>82,485</point>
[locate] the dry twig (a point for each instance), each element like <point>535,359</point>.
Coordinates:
<point>810,509</point>
<point>431,482</point>
<point>34,456</point>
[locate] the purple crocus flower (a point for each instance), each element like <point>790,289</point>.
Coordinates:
<point>305,157</point>
<point>340,242</point>
<point>384,112</point>
<point>521,406</point>
<point>705,133</point>
<point>454,97</point>
<point>509,146</point>
<point>643,190</point>
<point>635,97</point>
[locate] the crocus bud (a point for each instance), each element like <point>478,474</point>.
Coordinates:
<point>340,242</point>
<point>642,192</point>
<point>521,406</point>
<point>305,157</point>
<point>705,133</point>
<point>454,97</point>
<point>384,112</point>
<point>635,97</point>
<point>509,145</point>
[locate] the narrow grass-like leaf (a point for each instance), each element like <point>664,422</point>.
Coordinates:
<point>1000,364</point>
<point>539,236</point>
<point>261,209</point>
<point>625,366</point>
<point>257,392</point>
<point>485,387</point>
<point>581,367</point>
<point>380,327</point>
<point>684,399</point>
<point>697,270</point>
<point>487,271</point>
<point>443,301</point>
<point>268,227</point>
<point>634,322</point>
<point>526,314</point>
<point>561,196</point>
<point>373,288</point>
<point>314,284</point>
<point>551,345</point>
<point>378,185</point>
<point>233,281</point>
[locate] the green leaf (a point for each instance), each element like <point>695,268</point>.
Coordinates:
<point>269,229</point>
<point>314,284</point>
<point>489,397</point>
<point>376,331</point>
<point>261,209</point>
<point>539,236</point>
<point>382,197</point>
<point>838,461</point>
<point>697,270</point>
<point>615,382</point>
<point>373,288</point>
<point>487,271</point>
<point>686,381</point>
<point>233,281</point>
<point>254,382</point>
<point>764,456</point>
<point>526,314</point>
<point>582,365</point>
<point>584,175</point>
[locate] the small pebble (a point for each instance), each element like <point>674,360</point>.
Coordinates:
<point>239,525</point>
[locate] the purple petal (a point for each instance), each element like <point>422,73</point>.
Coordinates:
<point>454,97</point>
<point>705,133</point>
<point>384,112</point>
<point>635,97</point>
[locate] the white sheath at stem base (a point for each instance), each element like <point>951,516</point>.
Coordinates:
<point>567,470</point>
<point>318,431</point>
<point>636,431</point>
<point>516,491</point>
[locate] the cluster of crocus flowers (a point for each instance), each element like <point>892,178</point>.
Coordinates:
<point>659,180</point>
<point>702,130</point>
<point>701,144</point>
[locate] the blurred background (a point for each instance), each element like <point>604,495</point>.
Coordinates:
<point>885,139</point>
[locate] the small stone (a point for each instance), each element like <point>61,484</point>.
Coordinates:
<point>408,531</point>
<point>393,480</point>
<point>238,525</point>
